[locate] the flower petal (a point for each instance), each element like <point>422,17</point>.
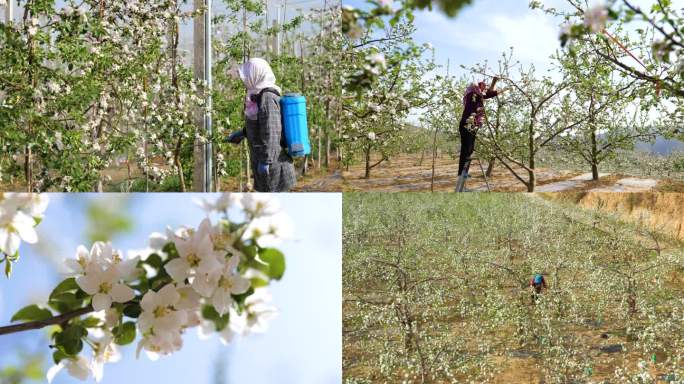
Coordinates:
<point>101,302</point>
<point>178,269</point>
<point>53,371</point>
<point>122,293</point>
<point>24,225</point>
<point>221,301</point>
<point>149,301</point>
<point>9,242</point>
<point>168,296</point>
<point>240,285</point>
<point>88,284</point>
<point>73,265</point>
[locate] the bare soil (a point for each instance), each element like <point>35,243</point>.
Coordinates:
<point>405,173</point>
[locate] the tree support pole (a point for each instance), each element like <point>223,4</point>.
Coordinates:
<point>208,150</point>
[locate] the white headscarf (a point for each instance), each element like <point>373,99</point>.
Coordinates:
<point>256,74</point>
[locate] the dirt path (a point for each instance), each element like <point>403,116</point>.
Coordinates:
<point>404,173</point>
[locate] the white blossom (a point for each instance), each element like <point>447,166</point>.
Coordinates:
<point>19,213</point>
<point>595,18</point>
<point>269,231</point>
<point>161,321</point>
<point>222,204</point>
<point>257,314</point>
<point>197,259</point>
<point>229,283</point>
<point>78,367</point>
<point>106,351</point>
<point>105,286</point>
<point>260,204</point>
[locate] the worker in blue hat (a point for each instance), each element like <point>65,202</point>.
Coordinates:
<point>538,284</point>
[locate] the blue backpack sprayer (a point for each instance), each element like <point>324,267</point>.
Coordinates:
<point>295,127</point>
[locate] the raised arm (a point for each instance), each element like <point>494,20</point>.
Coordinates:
<point>492,91</point>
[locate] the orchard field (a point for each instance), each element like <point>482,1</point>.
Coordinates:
<point>609,83</point>
<point>113,95</point>
<point>435,290</point>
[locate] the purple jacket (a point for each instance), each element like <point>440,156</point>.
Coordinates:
<point>473,104</point>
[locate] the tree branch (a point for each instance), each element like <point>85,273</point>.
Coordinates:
<point>31,325</point>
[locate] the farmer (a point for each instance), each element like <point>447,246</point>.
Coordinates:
<point>271,165</point>
<point>471,120</point>
<point>537,283</point>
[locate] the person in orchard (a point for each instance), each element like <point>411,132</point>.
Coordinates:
<point>272,167</point>
<point>472,118</point>
<point>538,284</point>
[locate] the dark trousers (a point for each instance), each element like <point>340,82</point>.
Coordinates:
<point>467,147</point>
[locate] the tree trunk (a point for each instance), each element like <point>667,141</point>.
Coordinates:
<point>368,169</point>
<point>434,158</point>
<point>490,167</point>
<point>530,146</point>
<point>327,135</point>
<point>532,183</point>
<point>179,167</point>
<point>327,149</point>
<point>594,157</point>
<point>320,144</point>
<point>28,172</point>
<point>306,165</point>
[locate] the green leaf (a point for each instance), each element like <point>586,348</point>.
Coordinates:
<point>66,296</point>
<point>209,313</point>
<point>258,283</point>
<point>32,313</point>
<point>132,310</point>
<point>67,285</point>
<point>170,249</point>
<point>65,302</point>
<point>124,334</point>
<point>240,299</point>
<point>58,356</point>
<point>70,340</point>
<point>275,260</point>
<point>91,322</point>
<point>250,251</point>
<point>154,260</point>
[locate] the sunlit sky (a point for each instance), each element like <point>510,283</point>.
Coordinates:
<point>303,344</point>
<point>487,28</point>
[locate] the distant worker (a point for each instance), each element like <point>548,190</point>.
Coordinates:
<point>538,284</point>
<point>472,118</point>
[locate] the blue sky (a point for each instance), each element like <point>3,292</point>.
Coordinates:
<point>487,28</point>
<point>303,344</point>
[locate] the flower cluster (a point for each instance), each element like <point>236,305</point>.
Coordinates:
<point>595,18</point>
<point>213,277</point>
<point>20,213</point>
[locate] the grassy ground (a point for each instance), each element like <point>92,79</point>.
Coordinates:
<point>435,290</point>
